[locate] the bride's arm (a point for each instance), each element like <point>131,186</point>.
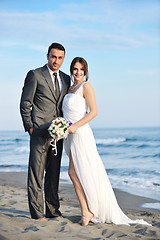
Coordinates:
<point>89,95</point>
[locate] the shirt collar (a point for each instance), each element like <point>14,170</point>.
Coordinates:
<point>51,72</point>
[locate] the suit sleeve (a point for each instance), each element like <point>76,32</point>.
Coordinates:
<point>27,98</point>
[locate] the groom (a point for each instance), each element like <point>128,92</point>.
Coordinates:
<point>41,102</point>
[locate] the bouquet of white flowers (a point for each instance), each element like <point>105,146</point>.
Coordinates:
<point>58,130</point>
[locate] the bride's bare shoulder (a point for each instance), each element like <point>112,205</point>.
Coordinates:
<point>87,89</point>
<point>87,86</point>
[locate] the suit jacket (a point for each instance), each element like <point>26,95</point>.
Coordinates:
<point>39,105</point>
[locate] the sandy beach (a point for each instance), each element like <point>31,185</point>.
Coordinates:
<point>15,221</point>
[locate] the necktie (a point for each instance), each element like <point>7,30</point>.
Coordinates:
<point>57,90</point>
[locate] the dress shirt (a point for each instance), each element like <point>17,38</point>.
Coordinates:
<point>58,77</point>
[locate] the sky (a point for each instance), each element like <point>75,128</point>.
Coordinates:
<point>120,39</point>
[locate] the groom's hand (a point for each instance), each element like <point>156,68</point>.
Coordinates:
<point>30,131</point>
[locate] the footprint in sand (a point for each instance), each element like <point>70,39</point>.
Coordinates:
<point>32,228</point>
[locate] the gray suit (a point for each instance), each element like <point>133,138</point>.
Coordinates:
<point>38,108</point>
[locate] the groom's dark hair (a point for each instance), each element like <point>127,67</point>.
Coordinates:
<point>56,46</point>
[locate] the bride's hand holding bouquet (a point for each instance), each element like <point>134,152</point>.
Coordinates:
<point>72,128</point>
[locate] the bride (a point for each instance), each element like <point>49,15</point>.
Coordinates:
<point>95,194</point>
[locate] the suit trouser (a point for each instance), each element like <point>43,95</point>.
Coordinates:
<point>42,159</point>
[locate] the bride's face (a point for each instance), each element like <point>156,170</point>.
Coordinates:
<point>78,72</point>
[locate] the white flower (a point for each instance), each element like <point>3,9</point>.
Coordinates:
<point>58,128</point>
<point>60,132</point>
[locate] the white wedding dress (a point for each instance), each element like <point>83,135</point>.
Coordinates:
<point>88,165</point>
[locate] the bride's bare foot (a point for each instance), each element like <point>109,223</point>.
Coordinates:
<point>86,219</point>
<point>80,221</point>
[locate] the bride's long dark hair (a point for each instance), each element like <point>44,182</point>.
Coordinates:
<point>84,64</point>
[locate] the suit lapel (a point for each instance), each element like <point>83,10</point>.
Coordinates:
<point>64,88</point>
<point>48,79</point>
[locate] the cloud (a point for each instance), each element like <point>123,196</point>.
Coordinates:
<point>114,12</point>
<point>89,25</point>
<point>149,73</point>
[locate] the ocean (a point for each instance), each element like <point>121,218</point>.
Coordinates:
<point>131,157</point>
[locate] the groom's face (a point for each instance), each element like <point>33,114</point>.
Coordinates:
<point>55,59</point>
